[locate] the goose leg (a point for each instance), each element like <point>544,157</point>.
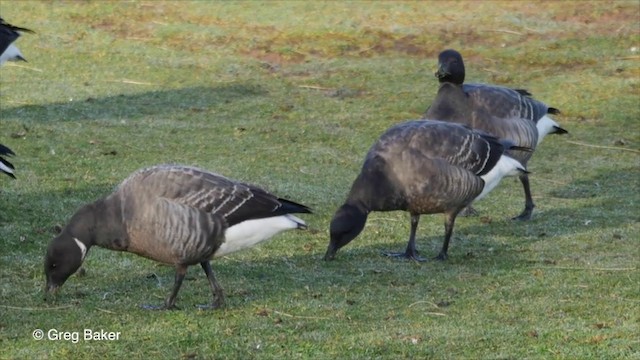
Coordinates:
<point>528,205</point>
<point>411,252</point>
<point>170,302</point>
<point>449,221</point>
<point>216,289</point>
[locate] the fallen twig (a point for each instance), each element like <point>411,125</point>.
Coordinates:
<point>300,317</point>
<point>630,57</point>
<point>505,31</point>
<point>435,313</point>
<point>316,87</point>
<point>127,81</point>
<point>35,309</point>
<point>585,268</point>
<point>425,302</point>
<point>603,146</point>
<point>26,67</point>
<point>107,311</point>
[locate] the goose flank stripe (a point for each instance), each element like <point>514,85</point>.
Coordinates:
<point>5,166</point>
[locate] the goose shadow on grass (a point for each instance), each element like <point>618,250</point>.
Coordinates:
<point>136,105</point>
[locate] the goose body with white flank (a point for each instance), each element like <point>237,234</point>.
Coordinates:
<point>8,34</point>
<point>503,112</point>
<point>177,215</point>
<point>422,167</point>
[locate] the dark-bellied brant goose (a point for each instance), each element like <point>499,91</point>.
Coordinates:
<point>506,113</point>
<point>176,215</point>
<point>422,167</point>
<point>5,166</point>
<point>8,34</point>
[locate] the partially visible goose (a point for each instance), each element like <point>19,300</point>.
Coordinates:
<point>504,112</point>
<point>177,215</point>
<point>5,166</point>
<point>8,34</point>
<point>422,167</point>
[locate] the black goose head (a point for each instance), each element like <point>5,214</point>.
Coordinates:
<point>67,251</point>
<point>347,223</point>
<point>450,67</point>
<point>65,255</point>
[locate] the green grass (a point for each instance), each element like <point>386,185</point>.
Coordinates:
<point>290,96</point>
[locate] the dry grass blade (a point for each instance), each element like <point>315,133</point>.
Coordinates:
<point>602,146</point>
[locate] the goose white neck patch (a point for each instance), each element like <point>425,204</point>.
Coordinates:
<point>83,247</point>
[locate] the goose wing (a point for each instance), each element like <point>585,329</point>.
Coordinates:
<point>456,144</point>
<point>505,103</point>
<point>212,193</point>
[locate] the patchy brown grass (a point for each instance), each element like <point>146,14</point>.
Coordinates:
<point>422,32</point>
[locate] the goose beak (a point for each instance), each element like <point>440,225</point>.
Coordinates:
<point>50,291</point>
<point>442,72</point>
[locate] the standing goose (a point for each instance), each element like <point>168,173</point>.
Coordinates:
<point>503,112</point>
<point>5,166</point>
<point>8,34</point>
<point>422,167</point>
<point>177,215</point>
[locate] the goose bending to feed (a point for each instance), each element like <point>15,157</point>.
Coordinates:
<point>501,111</point>
<point>8,34</point>
<point>5,166</point>
<point>422,167</point>
<point>177,215</point>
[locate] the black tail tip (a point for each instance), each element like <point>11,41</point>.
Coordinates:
<point>558,130</point>
<point>553,111</point>
<point>521,148</point>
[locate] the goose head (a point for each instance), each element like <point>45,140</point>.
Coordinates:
<point>450,67</point>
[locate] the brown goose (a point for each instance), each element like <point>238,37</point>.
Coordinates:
<point>422,167</point>
<point>177,215</point>
<point>5,166</point>
<point>503,112</point>
<point>8,34</point>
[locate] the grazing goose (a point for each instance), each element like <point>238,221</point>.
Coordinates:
<point>504,112</point>
<point>8,34</point>
<point>422,167</point>
<point>5,166</point>
<point>176,215</point>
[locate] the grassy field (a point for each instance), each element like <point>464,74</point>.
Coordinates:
<point>290,95</point>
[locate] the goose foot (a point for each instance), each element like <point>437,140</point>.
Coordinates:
<point>524,216</point>
<point>406,256</point>
<point>442,256</point>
